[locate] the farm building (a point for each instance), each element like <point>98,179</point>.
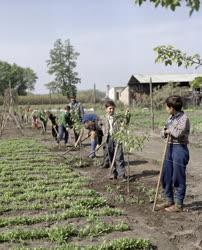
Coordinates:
<point>138,85</point>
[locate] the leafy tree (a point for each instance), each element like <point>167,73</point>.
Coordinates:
<point>193,5</point>
<point>62,64</point>
<point>29,77</point>
<point>5,68</point>
<point>169,55</point>
<point>197,82</point>
<point>21,79</point>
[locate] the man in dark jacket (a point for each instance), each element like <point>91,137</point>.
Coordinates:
<point>54,124</point>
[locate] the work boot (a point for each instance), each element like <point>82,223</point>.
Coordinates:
<point>123,179</point>
<point>164,205</point>
<point>174,208</point>
<point>113,177</point>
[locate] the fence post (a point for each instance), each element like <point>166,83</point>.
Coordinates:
<point>151,104</point>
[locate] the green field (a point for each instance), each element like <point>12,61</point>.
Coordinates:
<point>46,205</point>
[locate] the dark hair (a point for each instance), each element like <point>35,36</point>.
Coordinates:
<point>110,103</point>
<point>67,107</point>
<point>175,102</point>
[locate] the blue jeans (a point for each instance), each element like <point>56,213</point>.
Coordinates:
<point>174,172</point>
<point>62,132</point>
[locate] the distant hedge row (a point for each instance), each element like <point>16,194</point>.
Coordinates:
<point>83,96</point>
<point>39,100</point>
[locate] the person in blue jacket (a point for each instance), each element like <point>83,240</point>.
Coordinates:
<point>91,122</point>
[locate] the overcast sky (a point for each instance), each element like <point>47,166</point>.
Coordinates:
<point>115,38</point>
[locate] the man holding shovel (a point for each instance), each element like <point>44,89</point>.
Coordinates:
<point>173,179</point>
<point>54,124</point>
<point>114,151</point>
<point>64,124</point>
<point>43,120</point>
<point>76,109</point>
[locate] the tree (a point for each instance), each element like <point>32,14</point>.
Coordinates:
<point>21,79</point>
<point>197,83</point>
<point>169,55</point>
<point>53,87</point>
<point>4,76</point>
<point>62,64</point>
<point>193,5</point>
<point>29,77</point>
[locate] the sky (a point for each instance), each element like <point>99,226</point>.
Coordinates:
<point>115,38</point>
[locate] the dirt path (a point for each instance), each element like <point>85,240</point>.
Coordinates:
<point>166,231</point>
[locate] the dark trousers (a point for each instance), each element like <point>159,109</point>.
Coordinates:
<point>55,131</point>
<point>174,172</point>
<point>44,124</point>
<point>76,135</point>
<point>109,150</point>
<point>62,133</point>
<point>99,136</point>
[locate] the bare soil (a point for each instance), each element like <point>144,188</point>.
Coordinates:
<point>166,231</point>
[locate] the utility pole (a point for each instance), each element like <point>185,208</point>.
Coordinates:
<point>151,104</point>
<point>94,95</point>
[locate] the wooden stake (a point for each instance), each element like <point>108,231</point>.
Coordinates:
<point>67,151</point>
<point>55,131</point>
<point>128,177</point>
<point>97,148</point>
<point>160,174</point>
<point>16,122</point>
<point>114,158</point>
<point>8,108</point>
<point>79,138</point>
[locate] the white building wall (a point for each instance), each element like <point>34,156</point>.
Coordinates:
<point>121,92</point>
<point>112,94</point>
<point>125,97</point>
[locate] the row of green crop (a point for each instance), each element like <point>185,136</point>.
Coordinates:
<point>116,244</point>
<point>62,234</point>
<point>74,212</point>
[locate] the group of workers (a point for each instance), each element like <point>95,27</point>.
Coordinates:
<point>177,129</point>
<point>71,117</point>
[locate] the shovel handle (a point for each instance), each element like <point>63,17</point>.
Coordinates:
<point>160,174</point>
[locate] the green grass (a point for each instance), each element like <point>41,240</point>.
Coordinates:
<point>141,118</point>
